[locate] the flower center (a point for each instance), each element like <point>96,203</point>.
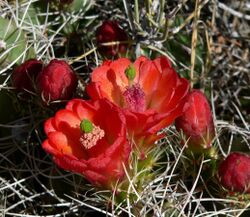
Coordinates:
<point>134,98</point>
<point>91,134</point>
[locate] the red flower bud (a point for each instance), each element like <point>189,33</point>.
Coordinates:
<point>109,32</point>
<point>23,77</point>
<point>57,81</point>
<point>234,172</point>
<point>197,122</point>
<point>82,138</point>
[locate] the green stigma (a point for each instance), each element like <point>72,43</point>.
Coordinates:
<point>86,126</point>
<point>130,72</point>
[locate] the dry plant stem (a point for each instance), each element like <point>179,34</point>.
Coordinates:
<point>208,61</point>
<point>166,31</point>
<point>49,42</point>
<point>233,12</point>
<point>83,55</point>
<point>14,62</point>
<point>162,5</point>
<point>131,183</point>
<point>89,206</point>
<point>193,188</point>
<point>168,17</point>
<point>241,116</point>
<point>187,20</point>
<point>95,48</point>
<point>129,15</point>
<point>241,212</point>
<point>136,9</point>
<point>114,198</point>
<point>194,41</point>
<point>172,172</point>
<point>151,21</point>
<point>161,52</point>
<point>148,7</point>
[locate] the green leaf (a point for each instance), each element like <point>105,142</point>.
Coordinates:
<point>16,48</point>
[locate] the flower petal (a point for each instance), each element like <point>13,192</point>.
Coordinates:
<point>96,178</point>
<point>66,144</point>
<point>180,92</point>
<point>137,64</point>
<point>50,148</point>
<point>163,94</point>
<point>119,66</point>
<point>111,123</point>
<point>109,81</point>
<point>149,76</point>
<point>82,108</point>
<point>66,119</point>
<point>105,76</point>
<point>162,63</point>
<point>71,163</point>
<point>49,126</point>
<point>95,91</point>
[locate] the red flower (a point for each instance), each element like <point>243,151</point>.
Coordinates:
<point>57,81</point>
<point>197,121</point>
<point>110,31</point>
<point>23,77</point>
<point>150,91</point>
<point>234,172</point>
<point>96,149</point>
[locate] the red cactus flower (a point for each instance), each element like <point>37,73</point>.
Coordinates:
<point>197,122</point>
<point>150,91</point>
<point>82,138</point>
<point>57,81</point>
<point>23,77</point>
<point>234,172</point>
<point>110,31</point>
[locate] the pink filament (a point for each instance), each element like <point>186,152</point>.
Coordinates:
<point>134,98</point>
